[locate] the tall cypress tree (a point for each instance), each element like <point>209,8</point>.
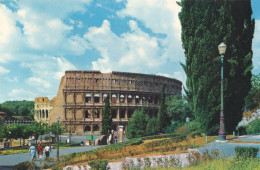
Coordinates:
<point>162,116</point>
<point>106,118</point>
<point>205,24</point>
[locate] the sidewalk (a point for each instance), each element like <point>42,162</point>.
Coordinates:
<point>229,147</point>
<point>8,161</point>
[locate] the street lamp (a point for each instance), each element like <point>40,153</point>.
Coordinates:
<point>58,120</point>
<point>187,121</point>
<point>221,133</point>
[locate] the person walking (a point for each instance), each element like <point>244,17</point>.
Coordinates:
<point>40,151</point>
<point>47,150</point>
<point>32,152</point>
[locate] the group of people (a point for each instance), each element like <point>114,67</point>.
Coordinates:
<point>39,150</point>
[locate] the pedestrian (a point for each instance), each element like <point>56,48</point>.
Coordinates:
<point>47,150</point>
<point>32,152</point>
<point>40,151</point>
<point>115,139</point>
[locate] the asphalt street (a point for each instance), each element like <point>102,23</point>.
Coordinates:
<point>8,161</point>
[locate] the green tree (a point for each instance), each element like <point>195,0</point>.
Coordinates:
<point>18,108</point>
<point>205,24</point>
<point>178,109</point>
<point>137,124</point>
<point>162,117</point>
<point>253,98</point>
<point>106,118</point>
<point>152,126</point>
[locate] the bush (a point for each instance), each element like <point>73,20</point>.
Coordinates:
<point>24,166</point>
<point>98,164</point>
<point>137,124</point>
<point>242,130</point>
<point>246,152</point>
<point>253,127</point>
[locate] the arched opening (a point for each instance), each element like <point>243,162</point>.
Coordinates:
<point>88,98</point>
<point>137,99</point>
<point>156,100</point>
<point>87,114</point>
<point>114,127</point>
<point>47,114</point>
<point>113,111</point>
<point>113,98</point>
<point>87,128</point>
<point>122,98</point>
<point>96,114</point>
<point>129,99</point>
<point>122,113</point>
<point>144,100</point>
<point>96,98</point>
<point>95,128</point>
<point>43,114</point>
<point>104,97</point>
<point>130,113</point>
<point>150,100</point>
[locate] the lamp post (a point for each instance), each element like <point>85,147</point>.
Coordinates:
<point>58,120</point>
<point>221,133</point>
<point>187,121</point>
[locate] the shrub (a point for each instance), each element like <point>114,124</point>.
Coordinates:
<point>242,130</point>
<point>24,166</point>
<point>253,127</point>
<point>98,164</point>
<point>137,124</point>
<point>246,152</point>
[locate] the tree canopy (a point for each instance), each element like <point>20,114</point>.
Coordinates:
<point>18,108</point>
<point>137,124</point>
<point>106,118</point>
<point>205,24</point>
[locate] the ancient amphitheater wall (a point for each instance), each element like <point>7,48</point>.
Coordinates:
<point>81,96</point>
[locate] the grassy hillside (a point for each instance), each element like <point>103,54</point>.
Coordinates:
<point>18,108</point>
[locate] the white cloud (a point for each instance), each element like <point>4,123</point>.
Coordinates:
<point>3,70</point>
<point>30,36</point>
<point>131,51</point>
<point>164,74</point>
<point>21,94</point>
<point>12,80</point>
<point>161,17</point>
<point>37,82</point>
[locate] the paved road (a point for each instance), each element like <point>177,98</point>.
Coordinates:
<point>229,148</point>
<point>7,161</point>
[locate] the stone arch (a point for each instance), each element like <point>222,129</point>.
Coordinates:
<point>122,113</point>
<point>96,98</point>
<point>114,113</point>
<point>87,128</point>
<point>137,99</point>
<point>122,98</point>
<point>86,114</point>
<point>129,99</point>
<point>95,128</point>
<point>43,114</point>
<point>114,96</point>
<point>88,98</point>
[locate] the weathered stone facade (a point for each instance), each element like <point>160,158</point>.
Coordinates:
<point>42,108</point>
<point>80,98</point>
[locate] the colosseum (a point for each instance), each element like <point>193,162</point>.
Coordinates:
<point>81,94</point>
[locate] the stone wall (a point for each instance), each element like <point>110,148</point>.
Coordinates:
<point>81,96</point>
<point>42,108</point>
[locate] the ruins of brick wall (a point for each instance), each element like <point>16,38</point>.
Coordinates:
<point>42,108</point>
<point>81,95</point>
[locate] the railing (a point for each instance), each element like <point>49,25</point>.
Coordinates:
<point>24,122</point>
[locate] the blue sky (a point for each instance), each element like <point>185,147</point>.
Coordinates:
<point>41,39</point>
